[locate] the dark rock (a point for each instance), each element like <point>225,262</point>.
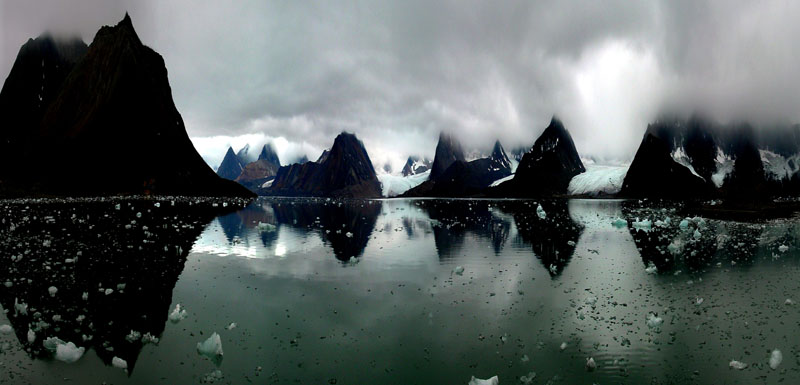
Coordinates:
<point>448,150</point>
<point>416,165</point>
<point>231,166</point>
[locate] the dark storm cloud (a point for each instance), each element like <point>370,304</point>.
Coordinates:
<point>397,73</point>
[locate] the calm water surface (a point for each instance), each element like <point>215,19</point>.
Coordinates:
<point>396,292</point>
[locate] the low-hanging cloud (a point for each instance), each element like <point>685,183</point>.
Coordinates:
<point>398,73</point>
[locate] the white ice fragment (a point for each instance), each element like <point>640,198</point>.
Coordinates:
<point>231,326</point>
<point>119,363</point>
<point>31,336</point>
<point>459,270</point>
<point>563,346</point>
<point>52,290</point>
<point>697,234</point>
<point>211,348</point>
<point>788,301</point>
<point>643,225</point>
<point>783,248</point>
<point>591,301</point>
<point>527,379</point>
<point>619,223</point>
<point>489,381</point>
<point>178,314</point>
<point>109,291</point>
<point>684,224</point>
<point>590,364</point>
<point>68,352</point>
<point>133,336</point>
<point>654,321</point>
<point>6,329</point>
<point>651,268</point>
<point>51,343</point>
<point>348,234</point>
<point>148,338</point>
<point>738,365</point>
<point>540,212</point>
<point>698,300</point>
<point>775,359</point>
<point>265,227</point>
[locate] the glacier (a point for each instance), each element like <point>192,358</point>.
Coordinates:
<point>394,185</point>
<point>598,180</point>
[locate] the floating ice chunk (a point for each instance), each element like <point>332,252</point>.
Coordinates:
<point>619,223</point>
<point>117,207</point>
<point>119,363</point>
<point>68,352</point>
<point>109,291</point>
<point>459,270</point>
<point>212,377</point>
<point>783,248</point>
<point>591,301</point>
<point>348,234</point>
<point>148,338</point>
<point>540,212</point>
<point>788,301</point>
<point>697,234</point>
<point>698,300</point>
<point>52,290</point>
<point>527,379</point>
<point>211,348</point>
<point>590,364</point>
<point>51,343</point>
<point>178,314</point>
<point>6,329</point>
<point>775,359</point>
<point>133,336</point>
<point>553,269</point>
<point>489,381</point>
<point>643,225</point>
<point>266,227</point>
<point>684,224</point>
<point>738,365</point>
<point>654,321</point>
<point>20,307</point>
<point>31,336</point>
<point>651,268</point>
<point>231,326</point>
<point>563,346</point>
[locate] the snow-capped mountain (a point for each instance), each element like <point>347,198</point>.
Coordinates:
<point>416,165</point>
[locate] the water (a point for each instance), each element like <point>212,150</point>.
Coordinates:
<point>369,292</point>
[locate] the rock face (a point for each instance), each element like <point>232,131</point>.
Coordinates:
<point>732,161</point>
<point>547,168</point>
<point>345,171</point>
<point>231,166</point>
<point>448,150</point>
<point>245,155</point>
<point>113,128</point>
<point>416,165</point>
<point>462,178</point>
<point>255,174</point>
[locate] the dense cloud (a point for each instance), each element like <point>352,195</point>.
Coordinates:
<point>396,73</point>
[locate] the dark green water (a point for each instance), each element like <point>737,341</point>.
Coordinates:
<point>399,312</point>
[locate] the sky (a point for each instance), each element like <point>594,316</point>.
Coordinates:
<point>397,73</point>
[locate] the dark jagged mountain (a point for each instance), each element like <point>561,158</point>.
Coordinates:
<point>231,166</point>
<point>303,159</point>
<point>733,161</point>
<point>448,150</point>
<point>462,178</point>
<point>255,174</point>
<point>416,165</point>
<point>344,171</point>
<point>323,157</point>
<point>268,153</point>
<point>245,155</point>
<point>547,168</point>
<point>113,129</point>
<point>35,80</point>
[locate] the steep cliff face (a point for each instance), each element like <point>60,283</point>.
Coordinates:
<point>448,151</point>
<point>344,171</point>
<point>231,166</point>
<point>547,168</point>
<point>416,165</point>
<point>113,128</point>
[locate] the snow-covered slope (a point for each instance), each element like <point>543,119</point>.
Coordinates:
<point>778,167</point>
<point>598,180</point>
<point>394,185</point>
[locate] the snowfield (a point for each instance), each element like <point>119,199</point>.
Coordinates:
<point>394,185</point>
<point>598,180</point>
<point>777,167</point>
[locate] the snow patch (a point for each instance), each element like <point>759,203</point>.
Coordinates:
<point>680,156</point>
<point>778,167</point>
<point>724,167</point>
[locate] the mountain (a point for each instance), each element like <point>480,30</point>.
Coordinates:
<point>268,153</point>
<point>547,168</point>
<point>448,150</point>
<point>302,159</point>
<point>733,161</point>
<point>245,155</point>
<point>231,166</point>
<point>464,179</point>
<point>36,78</point>
<point>416,165</point>
<point>345,171</point>
<point>113,128</point>
<point>255,174</point>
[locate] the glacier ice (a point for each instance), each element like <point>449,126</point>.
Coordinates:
<point>211,348</point>
<point>598,180</point>
<point>489,381</point>
<point>394,185</point>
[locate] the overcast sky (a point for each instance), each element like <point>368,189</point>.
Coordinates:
<point>396,73</point>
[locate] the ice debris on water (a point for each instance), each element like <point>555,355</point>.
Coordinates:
<point>178,314</point>
<point>52,290</point>
<point>651,268</point>
<point>540,212</point>
<point>738,365</point>
<point>563,346</point>
<point>133,336</point>
<point>619,223</point>
<point>148,338</point>
<point>265,227</point>
<point>783,248</point>
<point>6,329</point>
<point>231,326</point>
<point>68,352</point>
<point>654,321</point>
<point>489,381</point>
<point>211,348</point>
<point>775,359</point>
<point>528,379</point>
<point>590,364</point>
<point>788,301</point>
<point>645,224</point>
<point>459,270</point>
<point>31,336</point>
<point>119,363</point>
